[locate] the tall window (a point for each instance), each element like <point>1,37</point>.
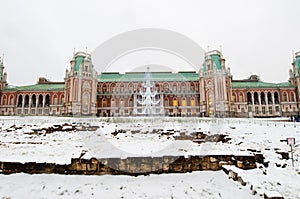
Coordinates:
<point>183,102</point>
<point>285,97</point>
<point>85,102</point>
<point>241,97</point>
<point>104,103</point>
<point>166,102</point>
<point>192,102</point>
<point>121,102</point>
<point>292,97</point>
<point>55,99</point>
<point>175,102</point>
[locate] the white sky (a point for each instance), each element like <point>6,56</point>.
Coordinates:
<point>38,37</point>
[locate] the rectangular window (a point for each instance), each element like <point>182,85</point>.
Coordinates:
<point>264,110</point>
<point>270,109</point>
<point>277,108</point>
<point>256,110</point>
<point>250,108</point>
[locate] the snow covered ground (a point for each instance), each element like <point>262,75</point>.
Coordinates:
<point>138,139</point>
<point>206,184</point>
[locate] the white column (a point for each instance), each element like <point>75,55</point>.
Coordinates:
<point>259,102</point>
<point>43,109</point>
<point>267,103</point>
<point>162,103</point>
<point>252,98</point>
<point>134,104</point>
<point>36,105</point>
<point>273,104</point>
<point>29,108</point>
<point>23,103</point>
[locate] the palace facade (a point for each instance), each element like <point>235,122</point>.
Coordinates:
<point>212,91</point>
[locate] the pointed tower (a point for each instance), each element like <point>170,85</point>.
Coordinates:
<point>295,76</point>
<point>3,75</point>
<point>81,85</point>
<point>215,84</point>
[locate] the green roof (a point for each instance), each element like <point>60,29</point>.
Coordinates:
<point>216,61</point>
<point>297,62</point>
<point>260,84</point>
<point>156,76</point>
<point>37,87</point>
<point>78,62</point>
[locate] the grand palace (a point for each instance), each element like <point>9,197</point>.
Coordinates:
<point>209,92</point>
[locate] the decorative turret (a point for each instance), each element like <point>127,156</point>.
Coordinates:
<point>214,61</point>
<point>81,65</point>
<point>81,84</point>
<point>295,73</point>
<point>3,75</point>
<point>295,65</point>
<point>215,83</point>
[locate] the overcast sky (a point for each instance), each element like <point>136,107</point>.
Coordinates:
<point>38,37</point>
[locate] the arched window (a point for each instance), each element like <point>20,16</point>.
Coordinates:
<point>276,98</point>
<point>4,100</point>
<point>121,102</point>
<point>233,97</point>
<point>166,87</point>
<point>183,87</point>
<point>62,99</point>
<point>192,101</point>
<point>285,97</point>
<point>40,102</point>
<point>249,98</point>
<point>85,102</point>
<point>183,102</point>
<point>166,102</point>
<point>175,102</point>
<point>104,102</point>
<point>113,88</point>
<point>55,99</point>
<point>33,100</point>
<point>113,103</point>
<point>269,96</point>
<point>122,88</point>
<point>47,102</point>
<point>255,98</point>
<point>20,100</point>
<point>130,87</point>
<point>11,100</point>
<point>174,87</point>
<point>130,102</point>
<point>263,98</point>
<point>241,97</point>
<point>292,94</point>
<point>26,103</point>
